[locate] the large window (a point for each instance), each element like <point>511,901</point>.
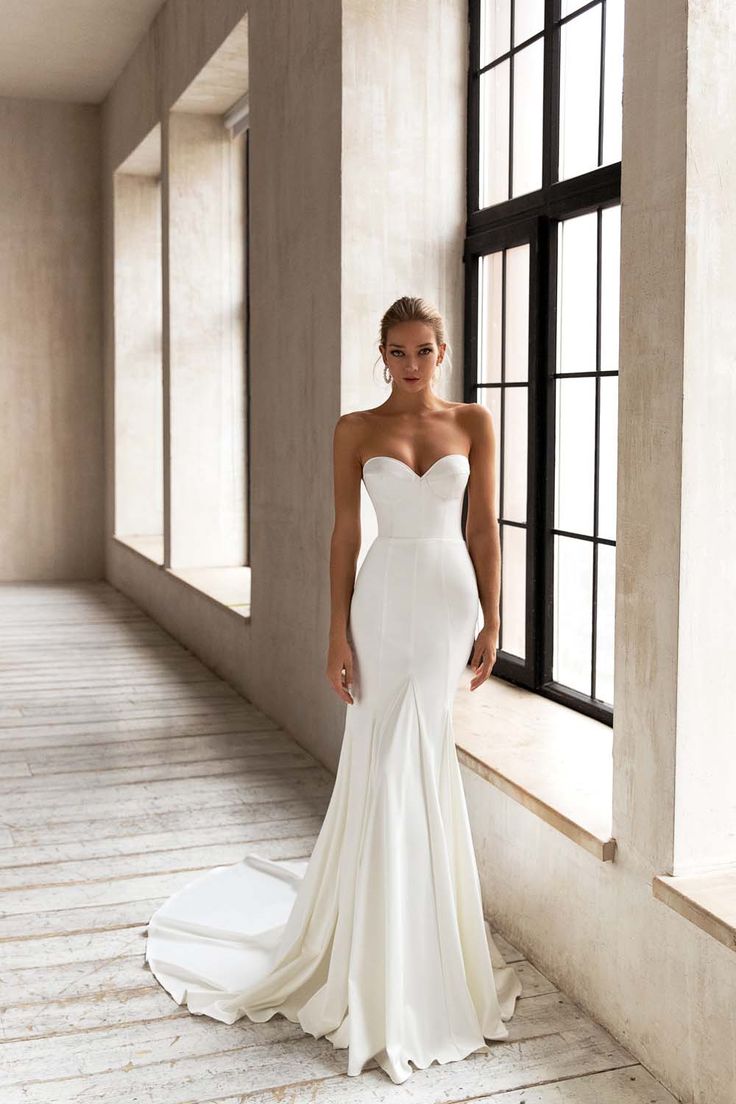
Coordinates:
<point>542,292</point>
<point>182,378</point>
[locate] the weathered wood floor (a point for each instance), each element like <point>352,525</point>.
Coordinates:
<point>126,768</point>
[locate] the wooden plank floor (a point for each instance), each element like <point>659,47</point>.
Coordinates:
<point>126,768</point>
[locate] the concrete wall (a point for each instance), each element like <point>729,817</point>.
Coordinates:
<point>705,782</point>
<point>51,438</point>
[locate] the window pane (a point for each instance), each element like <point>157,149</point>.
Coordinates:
<point>608,457</point>
<point>580,51</point>
<point>613,91</point>
<point>605,615</point>
<point>490,304</point>
<point>491,398</point>
<point>494,135</point>
<point>568,6</point>
<point>517,313</point>
<point>576,293</point>
<point>572,651</point>
<point>528,103</point>
<point>610,286</point>
<point>513,590</point>
<point>528,19</point>
<point>515,453</point>
<point>495,29</point>
<point>574,454</point>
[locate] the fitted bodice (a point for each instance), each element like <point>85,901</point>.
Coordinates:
<point>410,505</point>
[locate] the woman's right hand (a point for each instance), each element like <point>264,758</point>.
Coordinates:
<point>340,667</point>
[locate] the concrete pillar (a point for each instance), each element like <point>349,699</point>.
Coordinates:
<point>51,427</point>
<point>675,694</point>
<point>705,783</point>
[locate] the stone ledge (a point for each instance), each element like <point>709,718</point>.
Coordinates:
<point>706,900</point>
<point>552,760</point>
<point>228,587</point>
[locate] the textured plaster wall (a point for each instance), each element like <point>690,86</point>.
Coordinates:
<point>51,438</point>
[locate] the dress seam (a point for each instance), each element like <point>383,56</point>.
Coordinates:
<point>382,634</point>
<point>447,632</point>
<point>412,643</point>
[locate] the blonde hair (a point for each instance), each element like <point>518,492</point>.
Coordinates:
<point>413,309</point>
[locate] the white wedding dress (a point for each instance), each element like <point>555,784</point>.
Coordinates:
<point>378,940</point>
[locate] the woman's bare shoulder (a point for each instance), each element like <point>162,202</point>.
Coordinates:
<point>361,416</point>
<point>477,421</point>
<point>467,416</point>
<point>354,422</point>
<point>351,430</point>
<point>475,415</point>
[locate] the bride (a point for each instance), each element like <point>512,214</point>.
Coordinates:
<point>378,941</point>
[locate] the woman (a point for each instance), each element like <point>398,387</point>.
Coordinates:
<point>378,942</point>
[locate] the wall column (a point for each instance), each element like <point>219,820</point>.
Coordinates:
<point>675,694</point>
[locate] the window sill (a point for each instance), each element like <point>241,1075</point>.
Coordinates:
<point>706,900</point>
<point>228,587</point>
<point>151,547</point>
<point>552,760</point>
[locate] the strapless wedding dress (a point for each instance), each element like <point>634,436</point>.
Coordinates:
<point>378,940</point>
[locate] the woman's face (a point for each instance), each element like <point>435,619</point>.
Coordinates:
<point>412,354</point>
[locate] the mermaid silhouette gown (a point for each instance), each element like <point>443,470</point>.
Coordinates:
<point>378,941</point>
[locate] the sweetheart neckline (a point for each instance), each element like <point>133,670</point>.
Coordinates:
<point>410,469</point>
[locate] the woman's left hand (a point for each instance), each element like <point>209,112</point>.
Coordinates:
<point>484,655</point>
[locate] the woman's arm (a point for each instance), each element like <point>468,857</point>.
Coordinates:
<point>482,537</point>
<point>344,549</point>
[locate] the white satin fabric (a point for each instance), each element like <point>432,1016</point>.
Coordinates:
<point>378,940</point>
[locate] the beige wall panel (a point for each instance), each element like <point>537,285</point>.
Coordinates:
<point>650,420</point>
<point>51,442</point>
<point>705,786</point>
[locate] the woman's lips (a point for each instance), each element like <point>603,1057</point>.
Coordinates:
<point>412,379</point>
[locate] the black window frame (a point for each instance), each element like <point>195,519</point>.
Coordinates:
<point>533,219</point>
